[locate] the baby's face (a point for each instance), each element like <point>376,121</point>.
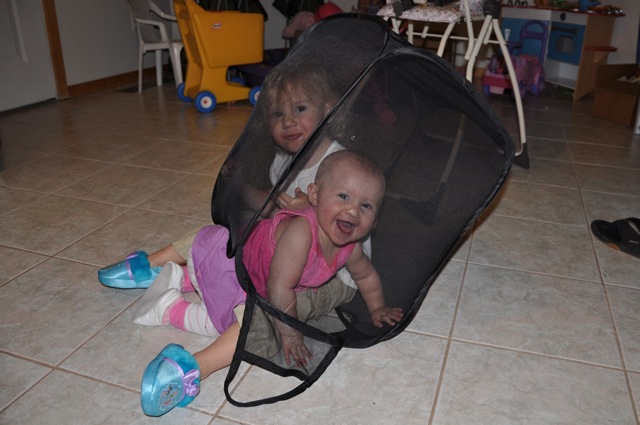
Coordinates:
<point>295,116</point>
<point>347,203</point>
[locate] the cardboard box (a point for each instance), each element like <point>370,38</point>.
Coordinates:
<point>615,100</point>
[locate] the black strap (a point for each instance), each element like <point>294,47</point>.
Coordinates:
<point>258,361</point>
<point>241,355</point>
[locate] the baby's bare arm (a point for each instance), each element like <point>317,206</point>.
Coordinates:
<point>293,242</point>
<point>368,282</point>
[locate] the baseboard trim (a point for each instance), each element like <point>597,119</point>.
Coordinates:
<point>110,83</point>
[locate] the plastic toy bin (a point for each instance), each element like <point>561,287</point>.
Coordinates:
<point>254,74</point>
<point>213,42</point>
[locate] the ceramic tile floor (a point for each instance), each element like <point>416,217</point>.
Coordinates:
<point>531,322</point>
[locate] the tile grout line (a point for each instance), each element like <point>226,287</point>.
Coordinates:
<point>445,356</point>
<point>605,288</point>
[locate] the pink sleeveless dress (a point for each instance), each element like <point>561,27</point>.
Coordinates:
<point>216,274</point>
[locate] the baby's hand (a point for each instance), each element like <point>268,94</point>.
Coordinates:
<point>300,201</point>
<point>293,345</point>
<point>388,315</point>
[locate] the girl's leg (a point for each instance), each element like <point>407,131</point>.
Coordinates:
<point>187,284</point>
<point>219,354</point>
<point>173,377</point>
<point>177,252</point>
<point>163,304</point>
<point>191,317</point>
<point>164,255</point>
<point>139,269</point>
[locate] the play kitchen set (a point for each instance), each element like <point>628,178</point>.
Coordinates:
<point>578,38</point>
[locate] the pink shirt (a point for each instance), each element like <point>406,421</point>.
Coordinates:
<point>260,247</point>
<point>216,274</point>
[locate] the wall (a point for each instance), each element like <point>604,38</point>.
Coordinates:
<point>277,21</point>
<point>97,38</point>
<point>625,33</point>
<point>273,27</point>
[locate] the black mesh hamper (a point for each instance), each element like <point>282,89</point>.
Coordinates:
<point>445,155</point>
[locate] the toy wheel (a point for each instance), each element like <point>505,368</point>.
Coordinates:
<point>254,94</point>
<point>205,101</point>
<point>537,88</point>
<point>522,85</point>
<point>183,97</point>
<point>534,89</point>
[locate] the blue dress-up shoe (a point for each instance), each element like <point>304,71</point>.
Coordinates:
<point>134,272</point>
<point>171,379</point>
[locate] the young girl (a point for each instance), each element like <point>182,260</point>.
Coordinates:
<point>297,98</point>
<point>295,250</point>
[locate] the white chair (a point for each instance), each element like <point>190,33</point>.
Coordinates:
<point>153,36</point>
<point>452,14</point>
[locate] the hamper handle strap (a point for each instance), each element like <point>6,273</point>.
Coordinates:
<point>258,361</point>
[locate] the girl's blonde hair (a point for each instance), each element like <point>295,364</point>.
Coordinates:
<point>293,75</point>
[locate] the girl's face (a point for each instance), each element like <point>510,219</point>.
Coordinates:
<point>295,116</point>
<point>347,202</point>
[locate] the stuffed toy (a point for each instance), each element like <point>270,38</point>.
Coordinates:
<point>303,20</point>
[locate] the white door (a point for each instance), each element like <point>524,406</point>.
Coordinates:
<point>26,72</point>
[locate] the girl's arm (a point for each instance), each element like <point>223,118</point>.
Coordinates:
<point>254,198</point>
<point>293,242</point>
<point>368,282</point>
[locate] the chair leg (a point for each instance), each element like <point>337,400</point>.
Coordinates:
<point>445,38</point>
<point>174,53</point>
<point>140,65</point>
<point>159,67</point>
<point>483,38</point>
<point>514,83</point>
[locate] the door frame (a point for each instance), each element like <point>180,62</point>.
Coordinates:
<point>55,47</point>
<point>64,91</point>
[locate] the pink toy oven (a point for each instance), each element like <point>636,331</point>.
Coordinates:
<point>529,69</point>
<point>529,74</point>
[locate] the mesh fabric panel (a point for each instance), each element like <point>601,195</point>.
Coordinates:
<point>444,154</point>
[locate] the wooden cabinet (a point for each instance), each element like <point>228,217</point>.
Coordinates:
<point>597,40</point>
